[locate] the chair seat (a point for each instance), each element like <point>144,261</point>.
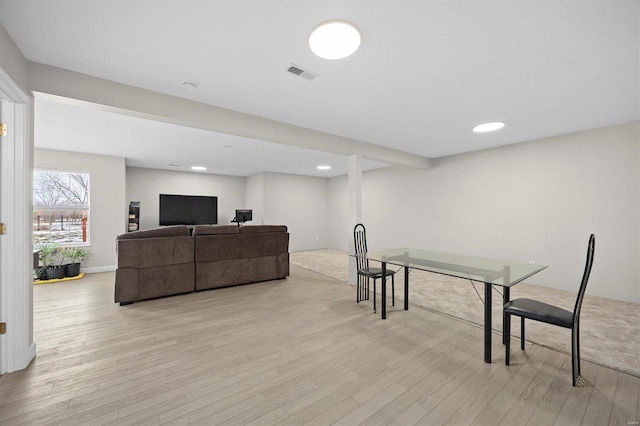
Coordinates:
<point>375,272</point>
<point>540,311</point>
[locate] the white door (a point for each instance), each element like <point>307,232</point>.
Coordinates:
<point>17,347</point>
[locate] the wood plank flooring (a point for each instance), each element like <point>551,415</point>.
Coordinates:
<point>295,351</point>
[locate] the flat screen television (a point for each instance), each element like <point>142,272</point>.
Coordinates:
<point>188,210</point>
<point>243,215</point>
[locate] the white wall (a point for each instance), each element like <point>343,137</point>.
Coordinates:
<point>275,198</point>
<point>107,196</point>
<point>300,202</point>
<point>340,232</point>
<point>146,185</point>
<point>12,62</point>
<point>537,200</point>
<point>255,198</point>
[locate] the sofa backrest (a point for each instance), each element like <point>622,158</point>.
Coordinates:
<point>214,230</point>
<point>261,229</point>
<point>252,241</point>
<point>169,245</point>
<point>163,231</point>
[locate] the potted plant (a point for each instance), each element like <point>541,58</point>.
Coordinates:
<point>77,255</point>
<point>40,273</point>
<point>49,252</point>
<point>39,268</point>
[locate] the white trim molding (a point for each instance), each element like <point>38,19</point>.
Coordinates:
<point>17,347</point>
<point>98,269</point>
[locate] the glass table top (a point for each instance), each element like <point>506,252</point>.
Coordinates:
<point>505,273</point>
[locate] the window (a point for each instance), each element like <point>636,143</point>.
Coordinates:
<point>60,207</point>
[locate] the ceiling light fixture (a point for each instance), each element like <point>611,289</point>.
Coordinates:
<point>198,168</point>
<point>324,167</point>
<point>189,86</point>
<point>335,39</point>
<point>488,127</point>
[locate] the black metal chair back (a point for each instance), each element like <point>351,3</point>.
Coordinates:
<point>360,241</point>
<point>585,278</point>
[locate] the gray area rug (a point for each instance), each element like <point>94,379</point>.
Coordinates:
<point>609,329</point>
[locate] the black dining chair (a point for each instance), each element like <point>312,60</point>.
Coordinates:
<point>543,312</point>
<point>365,272</point>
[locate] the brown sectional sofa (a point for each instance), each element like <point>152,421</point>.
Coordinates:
<point>154,263</point>
<point>231,255</point>
<point>169,260</point>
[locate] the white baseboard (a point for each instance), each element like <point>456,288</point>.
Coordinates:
<point>31,354</point>
<point>108,268</point>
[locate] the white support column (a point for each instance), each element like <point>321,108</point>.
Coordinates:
<point>355,208</point>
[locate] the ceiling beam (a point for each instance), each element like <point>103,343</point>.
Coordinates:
<point>71,87</point>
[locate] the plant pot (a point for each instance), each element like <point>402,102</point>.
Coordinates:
<point>72,270</point>
<point>55,272</point>
<point>41,273</point>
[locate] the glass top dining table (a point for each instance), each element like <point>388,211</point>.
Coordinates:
<point>490,271</point>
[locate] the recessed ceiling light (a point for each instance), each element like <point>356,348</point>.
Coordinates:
<point>323,167</point>
<point>199,168</point>
<point>335,39</point>
<point>488,127</point>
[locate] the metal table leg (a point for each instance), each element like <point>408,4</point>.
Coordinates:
<point>487,323</point>
<point>384,290</point>
<point>505,298</point>
<point>406,288</point>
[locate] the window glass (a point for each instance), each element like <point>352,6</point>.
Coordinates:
<point>60,207</point>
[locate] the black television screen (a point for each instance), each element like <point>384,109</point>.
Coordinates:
<point>243,215</point>
<point>188,210</point>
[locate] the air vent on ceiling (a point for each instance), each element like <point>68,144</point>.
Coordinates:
<point>301,72</point>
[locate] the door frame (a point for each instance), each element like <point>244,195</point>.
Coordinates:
<point>17,347</point>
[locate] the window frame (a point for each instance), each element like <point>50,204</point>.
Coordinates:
<point>83,209</point>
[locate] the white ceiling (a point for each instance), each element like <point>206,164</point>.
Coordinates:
<point>426,73</point>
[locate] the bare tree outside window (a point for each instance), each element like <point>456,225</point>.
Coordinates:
<point>60,207</point>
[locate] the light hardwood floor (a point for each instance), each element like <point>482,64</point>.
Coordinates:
<point>295,351</point>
